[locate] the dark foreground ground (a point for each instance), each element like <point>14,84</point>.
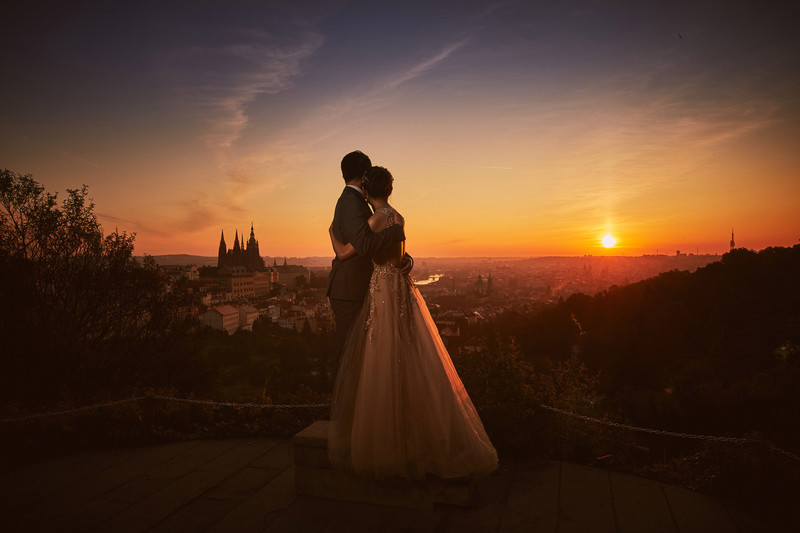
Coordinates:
<point>242,485</point>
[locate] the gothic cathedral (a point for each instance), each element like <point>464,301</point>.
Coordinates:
<point>239,256</point>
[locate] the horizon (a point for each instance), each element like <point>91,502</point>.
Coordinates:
<point>457,258</point>
<point>608,254</point>
<point>490,257</point>
<point>512,129</point>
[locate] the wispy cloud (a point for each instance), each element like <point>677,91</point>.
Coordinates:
<point>215,85</point>
<point>633,159</point>
<point>219,82</point>
<point>327,121</point>
<point>415,71</point>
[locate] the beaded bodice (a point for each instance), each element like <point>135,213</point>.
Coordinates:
<point>389,212</point>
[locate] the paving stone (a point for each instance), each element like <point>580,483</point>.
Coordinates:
<point>640,505</point>
<point>246,481</point>
<point>585,500</point>
<point>533,499</point>
<point>17,476</point>
<point>343,485</point>
<point>747,522</point>
<point>47,510</point>
<point>698,513</point>
<point>147,482</point>
<point>278,456</point>
<point>211,506</point>
<point>253,514</point>
<point>358,517</point>
<point>305,515</point>
<point>148,512</point>
<point>62,476</point>
<point>230,482</point>
<point>487,512</point>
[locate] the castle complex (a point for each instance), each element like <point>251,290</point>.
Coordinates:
<point>239,255</point>
<point>243,288</point>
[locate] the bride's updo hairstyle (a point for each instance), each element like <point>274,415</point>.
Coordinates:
<point>378,182</point>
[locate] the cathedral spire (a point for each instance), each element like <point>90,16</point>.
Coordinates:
<point>223,250</point>
<point>253,259</point>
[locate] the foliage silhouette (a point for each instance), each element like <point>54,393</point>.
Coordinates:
<point>81,317</point>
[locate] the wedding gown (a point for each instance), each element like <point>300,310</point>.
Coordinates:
<point>399,407</point>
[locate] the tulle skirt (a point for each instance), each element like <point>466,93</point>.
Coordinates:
<point>399,407</point>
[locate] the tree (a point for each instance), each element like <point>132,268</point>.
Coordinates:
<point>80,315</point>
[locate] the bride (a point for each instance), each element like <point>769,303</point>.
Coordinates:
<point>399,407</point>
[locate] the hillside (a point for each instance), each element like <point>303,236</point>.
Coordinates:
<point>716,350</point>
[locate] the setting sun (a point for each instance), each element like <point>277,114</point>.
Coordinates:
<point>608,240</point>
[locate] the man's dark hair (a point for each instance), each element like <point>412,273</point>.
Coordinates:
<point>354,165</point>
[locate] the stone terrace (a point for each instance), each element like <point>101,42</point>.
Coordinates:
<point>242,485</point>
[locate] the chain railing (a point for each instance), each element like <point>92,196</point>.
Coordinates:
<point>246,404</point>
<point>53,414</point>
<point>251,405</point>
<point>64,412</point>
<point>662,432</point>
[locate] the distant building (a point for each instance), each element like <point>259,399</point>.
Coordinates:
<point>241,282</point>
<point>238,281</point>
<point>230,318</point>
<point>262,282</point>
<point>176,272</point>
<point>247,316</point>
<point>733,243</point>
<point>480,286</point>
<point>222,317</point>
<point>291,275</point>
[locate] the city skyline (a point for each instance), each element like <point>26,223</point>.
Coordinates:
<point>513,129</point>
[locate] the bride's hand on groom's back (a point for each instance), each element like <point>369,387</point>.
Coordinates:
<point>407,264</point>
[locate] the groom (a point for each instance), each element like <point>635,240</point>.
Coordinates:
<point>349,279</point>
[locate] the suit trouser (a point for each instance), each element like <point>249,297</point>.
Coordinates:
<point>344,312</point>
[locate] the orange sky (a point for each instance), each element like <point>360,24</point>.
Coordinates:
<point>511,131</point>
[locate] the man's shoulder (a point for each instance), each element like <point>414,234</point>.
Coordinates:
<point>345,196</point>
<point>350,199</point>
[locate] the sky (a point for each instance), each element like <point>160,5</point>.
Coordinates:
<point>514,128</point>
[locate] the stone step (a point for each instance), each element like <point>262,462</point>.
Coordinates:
<point>314,476</point>
<point>311,446</point>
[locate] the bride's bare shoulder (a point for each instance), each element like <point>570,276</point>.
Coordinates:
<point>378,222</point>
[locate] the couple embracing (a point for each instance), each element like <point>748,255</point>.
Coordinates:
<point>399,407</point>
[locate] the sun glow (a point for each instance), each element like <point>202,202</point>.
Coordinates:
<point>608,240</point>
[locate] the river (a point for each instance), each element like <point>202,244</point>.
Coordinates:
<point>433,278</point>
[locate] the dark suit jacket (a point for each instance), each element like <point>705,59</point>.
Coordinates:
<point>349,279</point>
